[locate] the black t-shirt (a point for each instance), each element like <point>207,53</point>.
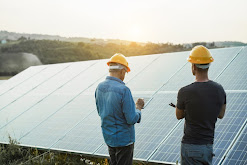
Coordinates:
<point>202,102</point>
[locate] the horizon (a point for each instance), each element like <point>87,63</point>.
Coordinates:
<point>116,38</point>
<point>140,21</point>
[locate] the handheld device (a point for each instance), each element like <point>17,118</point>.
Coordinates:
<point>173,105</point>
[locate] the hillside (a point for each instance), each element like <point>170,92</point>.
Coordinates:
<point>5,35</point>
<point>51,49</point>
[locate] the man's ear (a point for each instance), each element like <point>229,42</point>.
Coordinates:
<point>193,68</point>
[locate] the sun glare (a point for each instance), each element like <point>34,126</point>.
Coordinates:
<point>135,33</point>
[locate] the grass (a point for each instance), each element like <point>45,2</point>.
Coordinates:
<point>12,154</point>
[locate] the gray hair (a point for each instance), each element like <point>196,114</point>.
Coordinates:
<point>113,67</point>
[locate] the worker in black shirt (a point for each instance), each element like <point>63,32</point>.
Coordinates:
<point>200,103</point>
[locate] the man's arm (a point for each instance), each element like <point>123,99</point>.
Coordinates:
<point>222,111</point>
<point>131,114</point>
<point>180,113</point>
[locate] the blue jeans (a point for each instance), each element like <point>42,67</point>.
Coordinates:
<point>196,154</point>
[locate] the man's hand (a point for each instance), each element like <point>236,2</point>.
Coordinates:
<point>140,104</point>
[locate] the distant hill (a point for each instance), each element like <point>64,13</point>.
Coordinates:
<point>5,35</point>
<point>229,44</point>
<point>20,50</point>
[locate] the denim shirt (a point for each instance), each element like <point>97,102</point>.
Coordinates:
<point>116,108</point>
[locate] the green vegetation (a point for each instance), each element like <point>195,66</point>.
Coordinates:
<point>55,51</point>
<point>50,52</point>
<point>12,154</point>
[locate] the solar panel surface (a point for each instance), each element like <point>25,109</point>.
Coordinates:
<point>235,76</point>
<point>222,57</point>
<point>158,72</point>
<point>77,109</point>
<point>157,120</point>
<point>238,153</point>
<point>56,106</point>
<point>225,132</point>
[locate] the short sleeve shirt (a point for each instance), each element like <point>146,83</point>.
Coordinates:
<point>202,102</point>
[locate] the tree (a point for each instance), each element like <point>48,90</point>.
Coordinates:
<point>22,38</point>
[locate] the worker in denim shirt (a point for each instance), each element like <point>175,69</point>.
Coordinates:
<point>118,112</point>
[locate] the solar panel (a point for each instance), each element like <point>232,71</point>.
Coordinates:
<point>137,64</point>
<point>30,84</point>
<point>238,154</point>
<point>55,93</point>
<point>53,106</point>
<point>158,119</point>
<point>226,130</point>
<point>82,108</point>
<point>88,135</point>
<point>235,76</point>
<point>20,78</point>
<point>184,77</point>
<point>158,72</point>
<point>85,137</point>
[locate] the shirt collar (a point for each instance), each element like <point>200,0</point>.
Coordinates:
<point>115,79</point>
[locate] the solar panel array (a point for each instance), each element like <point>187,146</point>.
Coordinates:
<point>53,106</point>
<point>238,154</point>
<point>225,132</point>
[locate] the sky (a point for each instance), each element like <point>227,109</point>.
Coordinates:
<point>159,21</point>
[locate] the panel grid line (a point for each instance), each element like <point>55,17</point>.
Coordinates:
<point>52,93</point>
<point>22,81</point>
<point>165,138</point>
<point>32,89</point>
<point>24,95</point>
<point>83,118</point>
<point>233,143</point>
<point>230,62</point>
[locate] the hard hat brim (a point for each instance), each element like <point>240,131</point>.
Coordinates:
<point>200,60</point>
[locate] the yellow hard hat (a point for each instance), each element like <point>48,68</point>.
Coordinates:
<point>200,55</point>
<point>120,59</point>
